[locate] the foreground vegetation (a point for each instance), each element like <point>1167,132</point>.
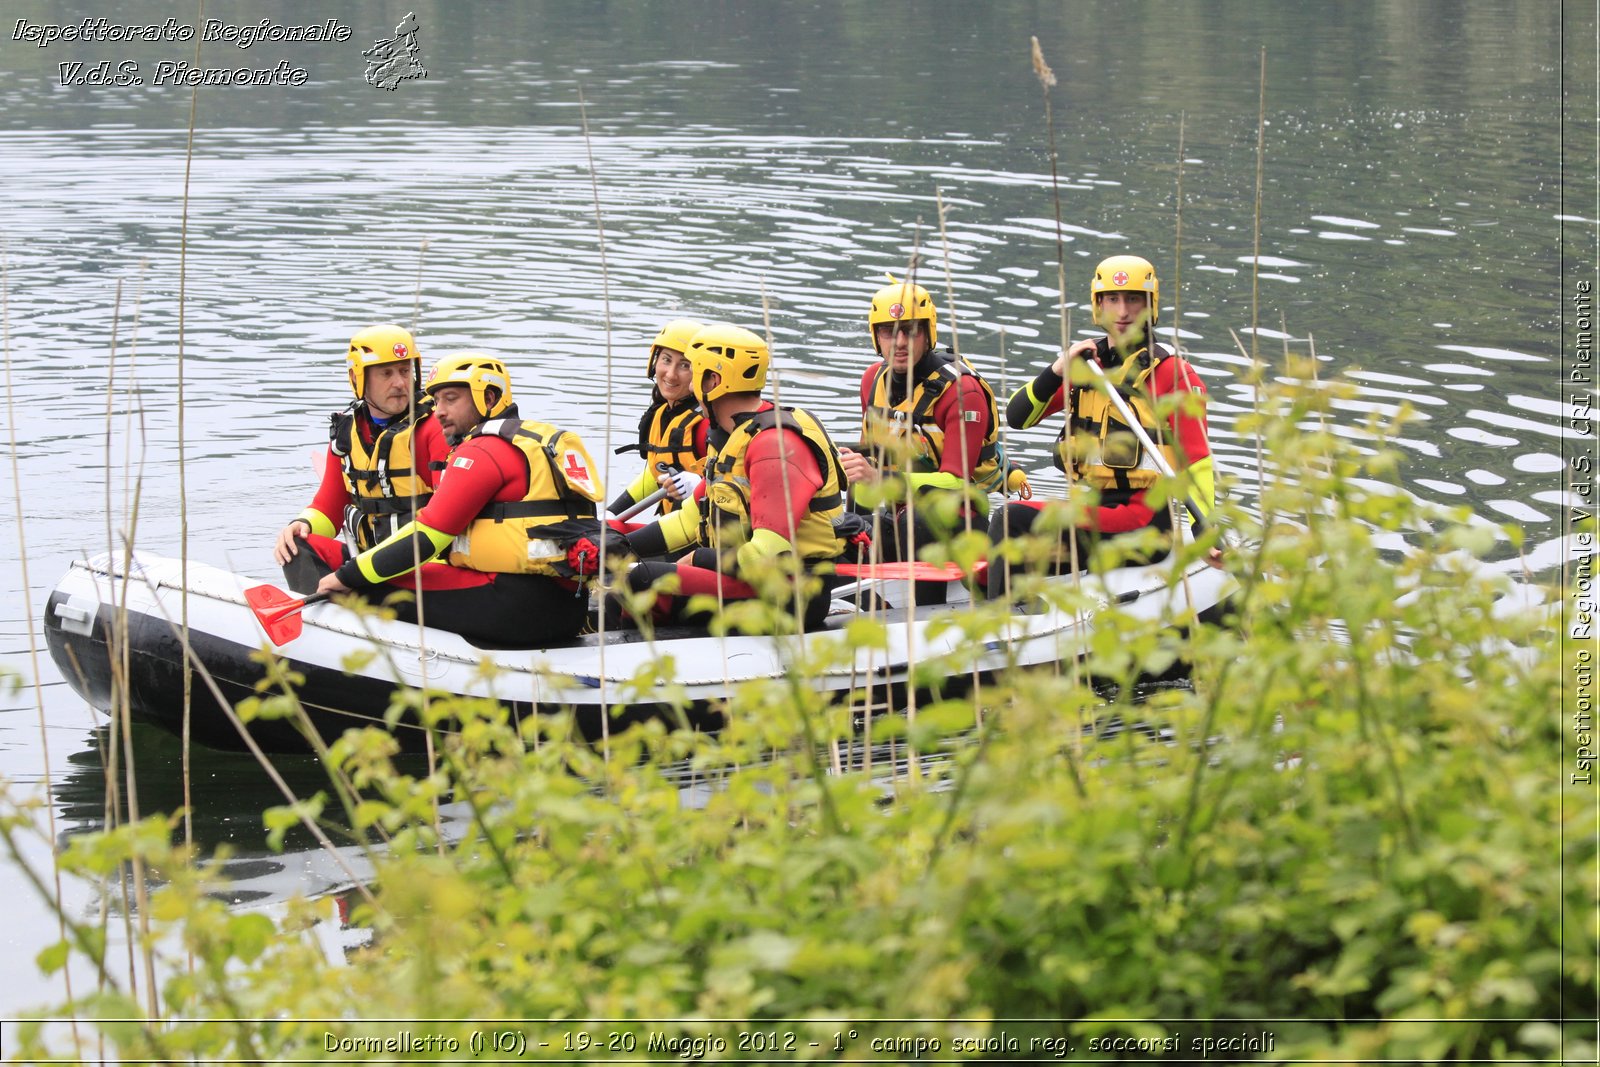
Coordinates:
<point>1354,842</point>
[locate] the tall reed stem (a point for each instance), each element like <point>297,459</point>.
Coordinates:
<point>1047,79</point>
<point>183,486</point>
<point>1255,261</point>
<point>1255,255</point>
<point>605,305</point>
<point>27,600</point>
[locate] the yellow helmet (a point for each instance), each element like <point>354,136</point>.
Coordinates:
<point>477,371</point>
<point>898,302</point>
<point>1124,273</point>
<point>375,346</point>
<point>675,335</point>
<point>739,357</point>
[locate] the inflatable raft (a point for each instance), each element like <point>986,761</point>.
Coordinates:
<point>116,627</point>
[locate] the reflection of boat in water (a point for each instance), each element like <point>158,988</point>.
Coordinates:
<point>227,792</point>
<point>99,606</point>
<point>226,795</point>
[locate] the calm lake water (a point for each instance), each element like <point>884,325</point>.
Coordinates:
<point>1418,196</point>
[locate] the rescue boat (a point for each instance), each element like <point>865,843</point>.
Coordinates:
<point>115,626</point>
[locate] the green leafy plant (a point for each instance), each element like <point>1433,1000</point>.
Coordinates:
<point>1346,819</point>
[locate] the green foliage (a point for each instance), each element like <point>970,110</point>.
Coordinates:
<point>1351,822</point>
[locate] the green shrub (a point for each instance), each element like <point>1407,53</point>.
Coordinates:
<point>1356,833</point>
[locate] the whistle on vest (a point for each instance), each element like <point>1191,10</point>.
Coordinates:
<point>1017,483</point>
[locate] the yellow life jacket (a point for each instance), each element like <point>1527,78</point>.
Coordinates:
<point>666,435</point>
<point>725,518</point>
<point>1112,457</point>
<point>381,478</point>
<point>890,428</point>
<point>563,484</point>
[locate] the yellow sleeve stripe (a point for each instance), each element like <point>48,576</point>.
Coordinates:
<point>757,554</point>
<point>935,480</point>
<point>682,528</point>
<point>319,523</point>
<point>1037,406</point>
<point>642,486</point>
<point>394,555</point>
<point>1204,478</point>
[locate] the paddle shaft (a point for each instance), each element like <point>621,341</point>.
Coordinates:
<point>646,502</point>
<point>291,609</point>
<point>1144,438</point>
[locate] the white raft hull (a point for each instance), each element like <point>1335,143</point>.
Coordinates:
<point>99,606</point>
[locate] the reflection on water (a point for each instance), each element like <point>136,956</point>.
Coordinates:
<point>227,791</point>
<point>293,239</point>
<point>758,161</point>
<point>227,794</point>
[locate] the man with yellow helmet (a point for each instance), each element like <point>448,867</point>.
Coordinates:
<point>383,456</point>
<point>1101,450</point>
<point>928,422</point>
<point>773,488</point>
<point>511,511</point>
<point>672,432</point>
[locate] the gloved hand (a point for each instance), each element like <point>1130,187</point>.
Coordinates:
<point>680,485</point>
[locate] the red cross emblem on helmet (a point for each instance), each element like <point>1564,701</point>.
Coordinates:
<point>400,350</point>
<point>1120,278</point>
<point>896,310</point>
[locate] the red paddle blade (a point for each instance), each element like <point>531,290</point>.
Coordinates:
<point>276,611</point>
<point>902,572</point>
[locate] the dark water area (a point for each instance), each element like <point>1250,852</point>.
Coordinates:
<point>1427,190</point>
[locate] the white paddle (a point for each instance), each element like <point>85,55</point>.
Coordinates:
<point>1144,439</point>
<point>641,505</point>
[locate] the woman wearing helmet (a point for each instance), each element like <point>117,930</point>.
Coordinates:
<point>774,486</point>
<point>384,453</point>
<point>1100,449</point>
<point>672,432</point>
<point>515,498</point>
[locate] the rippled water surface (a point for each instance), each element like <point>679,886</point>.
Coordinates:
<point>751,160</point>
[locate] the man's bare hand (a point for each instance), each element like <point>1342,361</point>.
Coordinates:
<point>857,468</point>
<point>331,584</point>
<point>288,544</point>
<point>1079,350</point>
